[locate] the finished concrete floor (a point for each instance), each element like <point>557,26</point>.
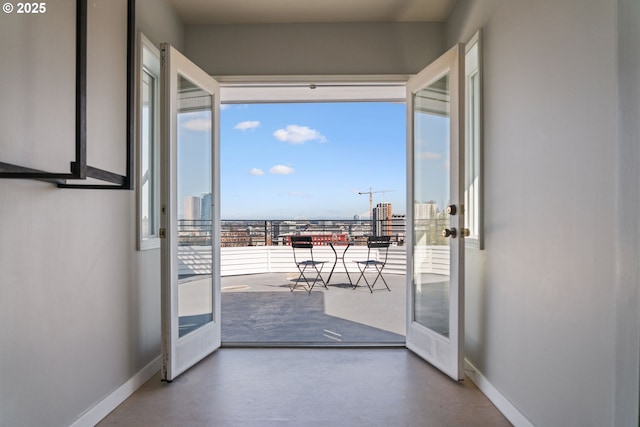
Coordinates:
<point>261,309</point>
<point>308,387</point>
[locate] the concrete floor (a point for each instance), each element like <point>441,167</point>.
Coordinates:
<point>261,309</point>
<point>308,387</point>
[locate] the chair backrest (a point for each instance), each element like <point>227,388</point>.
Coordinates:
<point>301,242</point>
<point>379,241</point>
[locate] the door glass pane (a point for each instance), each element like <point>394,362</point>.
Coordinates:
<point>195,285</point>
<point>431,197</point>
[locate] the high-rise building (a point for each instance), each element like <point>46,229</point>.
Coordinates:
<point>191,207</point>
<point>399,227</point>
<point>205,206</point>
<point>382,215</point>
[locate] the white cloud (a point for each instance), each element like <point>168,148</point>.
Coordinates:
<point>295,134</point>
<point>281,170</point>
<point>427,155</point>
<point>248,124</point>
<point>256,172</point>
<point>224,107</point>
<point>198,125</point>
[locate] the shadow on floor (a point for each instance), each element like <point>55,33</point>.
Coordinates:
<point>292,317</point>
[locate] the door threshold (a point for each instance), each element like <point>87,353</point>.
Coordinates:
<point>311,345</point>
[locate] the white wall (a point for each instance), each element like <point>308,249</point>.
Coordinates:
<point>313,49</point>
<point>79,307</point>
<point>541,316</point>
<point>159,22</point>
<point>627,231</point>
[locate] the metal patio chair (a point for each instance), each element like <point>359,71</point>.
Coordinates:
<point>380,245</point>
<point>304,245</point>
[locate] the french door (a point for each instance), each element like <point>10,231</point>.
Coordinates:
<point>190,108</point>
<point>435,237</point>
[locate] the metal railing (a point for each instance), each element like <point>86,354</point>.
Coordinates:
<point>242,233</point>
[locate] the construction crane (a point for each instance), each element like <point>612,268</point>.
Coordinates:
<point>370,193</point>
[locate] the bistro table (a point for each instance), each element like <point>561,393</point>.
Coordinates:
<point>337,257</point>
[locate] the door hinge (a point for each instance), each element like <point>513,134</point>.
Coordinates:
<point>165,368</point>
<point>163,233</point>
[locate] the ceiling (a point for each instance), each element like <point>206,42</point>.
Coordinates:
<point>308,11</point>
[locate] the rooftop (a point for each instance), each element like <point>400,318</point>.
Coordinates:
<point>260,308</point>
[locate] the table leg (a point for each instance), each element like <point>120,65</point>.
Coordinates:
<point>335,261</point>
<point>345,264</point>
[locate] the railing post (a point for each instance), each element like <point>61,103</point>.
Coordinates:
<point>268,249</point>
<point>266,240</point>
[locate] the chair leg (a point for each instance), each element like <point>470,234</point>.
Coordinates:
<point>380,276</point>
<point>313,284</point>
<point>301,270</point>
<point>293,288</point>
<point>309,285</point>
<point>355,285</point>
<point>318,277</point>
<point>362,276</point>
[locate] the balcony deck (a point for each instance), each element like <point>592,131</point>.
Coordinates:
<point>260,309</point>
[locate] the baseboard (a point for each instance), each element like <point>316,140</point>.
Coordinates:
<point>503,404</point>
<point>92,416</point>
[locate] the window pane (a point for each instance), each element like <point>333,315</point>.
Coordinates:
<point>147,154</point>
<point>147,183</point>
<point>472,148</point>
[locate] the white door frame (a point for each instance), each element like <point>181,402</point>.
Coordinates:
<point>444,352</point>
<point>180,353</point>
<point>391,88</point>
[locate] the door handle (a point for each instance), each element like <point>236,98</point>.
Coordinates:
<point>450,232</point>
<point>452,210</point>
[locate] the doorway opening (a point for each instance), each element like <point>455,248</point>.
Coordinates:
<point>424,91</point>
<point>334,171</point>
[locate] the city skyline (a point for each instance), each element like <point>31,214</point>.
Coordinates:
<point>199,207</point>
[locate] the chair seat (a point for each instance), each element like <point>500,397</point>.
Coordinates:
<point>309,262</point>
<point>370,262</point>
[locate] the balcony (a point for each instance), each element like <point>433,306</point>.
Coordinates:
<point>258,307</point>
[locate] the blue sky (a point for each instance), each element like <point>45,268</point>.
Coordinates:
<point>310,160</point>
